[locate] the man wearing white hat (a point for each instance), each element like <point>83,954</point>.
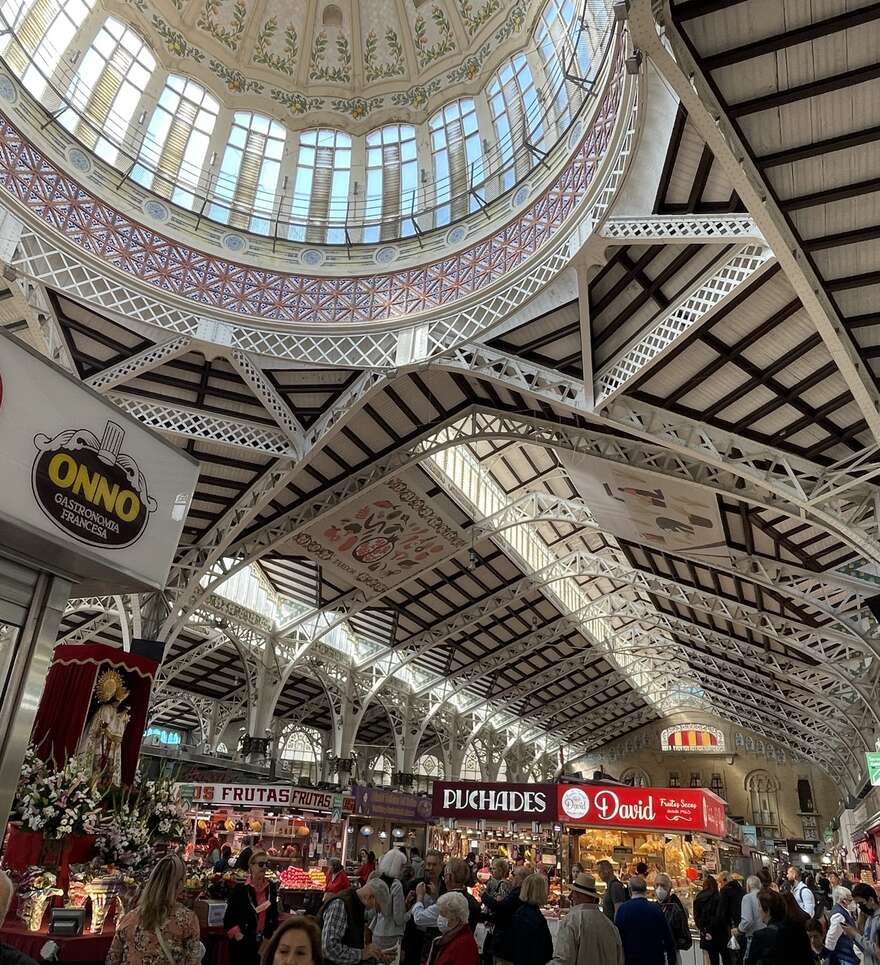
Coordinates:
<point>586,936</point>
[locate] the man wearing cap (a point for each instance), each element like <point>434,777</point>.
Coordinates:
<point>644,931</point>
<point>586,936</point>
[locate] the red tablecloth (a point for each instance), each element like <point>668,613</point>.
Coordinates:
<point>92,949</point>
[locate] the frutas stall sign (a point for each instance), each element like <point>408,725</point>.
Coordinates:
<point>683,810</point>
<point>494,802</point>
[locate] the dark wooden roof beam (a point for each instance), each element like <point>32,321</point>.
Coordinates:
<point>791,38</point>
<point>813,88</point>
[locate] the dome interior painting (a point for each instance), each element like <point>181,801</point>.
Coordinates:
<point>357,122</point>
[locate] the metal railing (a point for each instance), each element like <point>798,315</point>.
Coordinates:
<point>504,165</point>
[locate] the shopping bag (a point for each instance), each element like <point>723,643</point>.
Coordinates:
<point>733,944</point>
<point>480,933</point>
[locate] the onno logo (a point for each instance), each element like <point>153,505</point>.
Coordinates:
<point>575,803</point>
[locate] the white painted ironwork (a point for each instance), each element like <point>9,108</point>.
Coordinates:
<point>684,229</point>
<point>135,365</point>
<point>691,310</point>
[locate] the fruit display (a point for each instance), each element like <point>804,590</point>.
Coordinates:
<point>295,879</point>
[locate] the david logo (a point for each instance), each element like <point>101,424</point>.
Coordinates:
<point>575,803</point>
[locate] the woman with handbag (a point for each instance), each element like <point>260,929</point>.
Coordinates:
<point>251,913</point>
<point>160,931</point>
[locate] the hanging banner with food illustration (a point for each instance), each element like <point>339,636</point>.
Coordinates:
<point>635,504</point>
<point>388,534</point>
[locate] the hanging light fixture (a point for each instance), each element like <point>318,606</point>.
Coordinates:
<point>367,830</point>
<point>397,832</point>
<point>383,835</point>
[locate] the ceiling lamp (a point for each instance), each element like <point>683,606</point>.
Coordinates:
<point>367,830</point>
<point>383,835</point>
<point>397,832</point>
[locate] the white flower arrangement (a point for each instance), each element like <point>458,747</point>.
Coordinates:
<point>59,802</point>
<point>166,814</point>
<point>123,838</point>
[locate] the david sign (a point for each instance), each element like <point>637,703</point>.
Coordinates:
<point>494,802</point>
<point>685,810</point>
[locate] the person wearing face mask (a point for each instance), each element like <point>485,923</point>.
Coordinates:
<point>455,945</point>
<point>297,942</point>
<point>839,944</point>
<point>868,939</point>
<point>674,910</point>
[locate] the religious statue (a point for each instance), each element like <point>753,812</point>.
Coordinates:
<point>100,747</point>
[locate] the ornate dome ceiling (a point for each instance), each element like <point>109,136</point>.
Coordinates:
<point>353,61</point>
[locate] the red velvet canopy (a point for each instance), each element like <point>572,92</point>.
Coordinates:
<point>68,699</point>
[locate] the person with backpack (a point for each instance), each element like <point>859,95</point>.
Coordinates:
<point>714,933</point>
<point>802,895</point>
<point>674,910</point>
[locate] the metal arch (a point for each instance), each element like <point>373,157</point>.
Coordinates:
<point>833,497</point>
<point>810,723</point>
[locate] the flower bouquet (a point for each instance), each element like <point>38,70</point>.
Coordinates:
<point>123,838</point>
<point>60,803</point>
<point>166,814</point>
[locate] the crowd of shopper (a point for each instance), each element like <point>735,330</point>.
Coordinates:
<point>395,917</point>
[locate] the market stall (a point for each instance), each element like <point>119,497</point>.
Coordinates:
<point>300,828</point>
<point>384,819</point>
<point>671,830</point>
<point>488,820</point>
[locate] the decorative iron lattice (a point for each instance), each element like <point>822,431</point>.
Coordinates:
<point>724,228</point>
<point>136,365</point>
<point>200,425</point>
<point>693,310</point>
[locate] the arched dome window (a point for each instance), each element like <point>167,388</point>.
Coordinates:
<point>457,155</point>
<point>300,751</point>
<point>392,182</point>
<point>177,138</point>
<point>635,777</point>
<point>763,791</point>
<point>108,86</point>
<point>248,177</point>
<point>44,30</point>
<point>516,114</point>
<point>321,185</point>
<point>470,767</point>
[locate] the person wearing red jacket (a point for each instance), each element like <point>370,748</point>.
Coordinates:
<point>455,945</point>
<point>337,879</point>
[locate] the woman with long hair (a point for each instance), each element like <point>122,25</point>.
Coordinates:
<point>296,942</point>
<point>251,912</point>
<point>160,931</point>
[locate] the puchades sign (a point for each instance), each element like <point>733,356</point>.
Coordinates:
<point>494,802</point>
<point>683,810</point>
<point>84,486</point>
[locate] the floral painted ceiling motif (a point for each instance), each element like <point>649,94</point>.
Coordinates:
<point>355,58</point>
